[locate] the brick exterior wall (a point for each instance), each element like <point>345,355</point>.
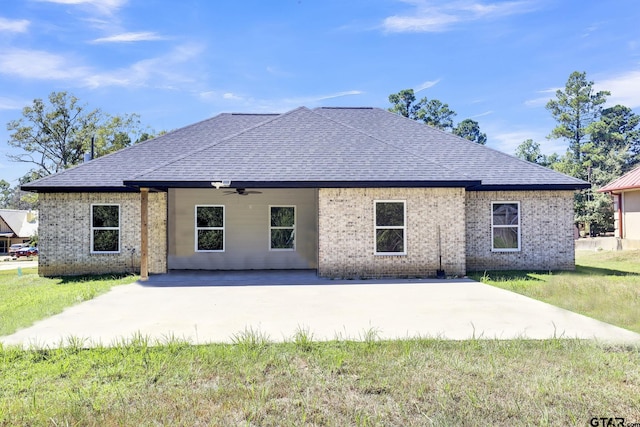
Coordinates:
<point>547,231</point>
<point>346,232</point>
<point>65,234</point>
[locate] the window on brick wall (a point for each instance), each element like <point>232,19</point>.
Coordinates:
<point>505,226</point>
<point>282,228</point>
<point>105,228</point>
<point>390,227</point>
<point>209,228</point>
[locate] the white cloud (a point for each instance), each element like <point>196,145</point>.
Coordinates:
<point>13,26</point>
<point>541,101</point>
<point>106,7</point>
<point>429,16</point>
<point>335,95</point>
<point>426,85</point>
<point>35,64</point>
<point>486,113</point>
<point>162,72</point>
<point>9,104</point>
<point>130,37</point>
<point>232,96</point>
<point>624,88</point>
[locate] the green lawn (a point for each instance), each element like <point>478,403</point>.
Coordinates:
<point>605,286</point>
<point>26,297</point>
<point>406,382</point>
<point>256,383</point>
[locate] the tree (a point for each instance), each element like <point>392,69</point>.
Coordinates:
<point>530,151</point>
<point>404,103</point>
<point>470,129</point>
<point>55,135</point>
<point>436,114</point>
<point>575,109</point>
<point>6,193</point>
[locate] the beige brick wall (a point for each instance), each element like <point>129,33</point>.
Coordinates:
<point>547,231</point>
<point>65,234</point>
<point>346,232</point>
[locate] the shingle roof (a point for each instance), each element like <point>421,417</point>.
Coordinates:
<point>628,181</point>
<point>312,148</point>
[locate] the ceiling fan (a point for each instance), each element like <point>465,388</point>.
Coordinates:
<point>241,192</point>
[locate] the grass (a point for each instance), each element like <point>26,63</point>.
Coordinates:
<point>26,297</point>
<point>605,286</point>
<point>305,382</point>
<point>255,382</point>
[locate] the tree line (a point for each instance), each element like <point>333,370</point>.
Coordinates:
<point>603,143</point>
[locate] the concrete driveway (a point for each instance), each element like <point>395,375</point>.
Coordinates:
<point>203,308</point>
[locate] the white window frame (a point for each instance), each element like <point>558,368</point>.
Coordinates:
<point>396,227</point>
<point>196,228</point>
<point>107,228</point>
<point>494,226</point>
<point>295,222</point>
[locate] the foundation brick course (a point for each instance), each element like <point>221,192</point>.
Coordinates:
<point>346,232</point>
<point>547,231</point>
<point>65,234</point>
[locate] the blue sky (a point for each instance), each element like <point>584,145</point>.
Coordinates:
<point>178,62</point>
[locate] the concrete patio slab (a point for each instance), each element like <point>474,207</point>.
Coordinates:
<point>204,308</point>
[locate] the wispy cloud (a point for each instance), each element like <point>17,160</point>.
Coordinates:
<point>335,95</point>
<point>40,65</point>
<point>426,85</point>
<point>439,16</point>
<point>13,26</point>
<point>624,88</point>
<point>105,7</point>
<point>165,71</point>
<point>486,113</point>
<point>130,37</point>
<point>542,100</point>
<point>9,104</point>
<point>161,72</point>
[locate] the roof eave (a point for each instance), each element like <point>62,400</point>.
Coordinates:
<point>305,184</point>
<point>78,189</point>
<point>531,187</point>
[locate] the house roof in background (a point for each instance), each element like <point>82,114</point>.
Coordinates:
<point>628,181</point>
<point>323,147</point>
<point>18,222</point>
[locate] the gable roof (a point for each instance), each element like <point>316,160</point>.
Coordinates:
<point>18,222</point>
<point>324,147</point>
<point>628,181</point>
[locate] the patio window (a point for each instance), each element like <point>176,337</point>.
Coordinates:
<point>282,228</point>
<point>210,228</point>
<point>505,226</point>
<point>105,229</point>
<point>390,227</point>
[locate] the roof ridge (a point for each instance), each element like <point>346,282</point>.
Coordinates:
<point>396,146</point>
<point>213,144</point>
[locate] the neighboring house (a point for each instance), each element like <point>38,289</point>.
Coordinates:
<point>350,192</point>
<point>16,227</point>
<point>626,203</point>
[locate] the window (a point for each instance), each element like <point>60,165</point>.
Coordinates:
<point>209,228</point>
<point>505,226</point>
<point>105,228</point>
<point>282,228</point>
<point>390,227</point>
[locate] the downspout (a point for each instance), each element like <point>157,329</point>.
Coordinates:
<point>620,225</point>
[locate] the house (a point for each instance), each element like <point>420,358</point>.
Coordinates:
<point>626,203</point>
<point>16,226</point>
<point>349,192</point>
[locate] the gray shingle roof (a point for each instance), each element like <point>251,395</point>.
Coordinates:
<point>321,147</point>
